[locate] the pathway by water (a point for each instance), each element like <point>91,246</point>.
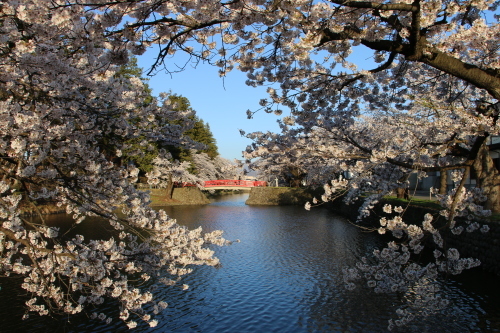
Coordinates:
<point>284,276</point>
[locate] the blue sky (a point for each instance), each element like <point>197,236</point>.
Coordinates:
<point>220,103</point>
<point>223,103</point>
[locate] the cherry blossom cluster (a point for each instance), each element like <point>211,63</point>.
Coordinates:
<point>166,170</point>
<point>376,152</point>
<point>394,268</point>
<point>216,168</point>
<point>66,116</point>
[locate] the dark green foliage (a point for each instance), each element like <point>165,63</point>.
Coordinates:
<point>142,153</point>
<point>200,132</point>
<point>131,69</point>
<point>138,152</point>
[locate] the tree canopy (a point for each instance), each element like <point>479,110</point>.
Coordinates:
<point>196,138</point>
<point>199,132</point>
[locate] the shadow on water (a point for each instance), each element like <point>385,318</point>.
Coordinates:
<point>284,276</point>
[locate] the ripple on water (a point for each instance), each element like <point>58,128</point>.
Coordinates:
<point>284,276</point>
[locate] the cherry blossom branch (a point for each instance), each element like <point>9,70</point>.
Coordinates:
<point>378,6</point>
<point>12,235</point>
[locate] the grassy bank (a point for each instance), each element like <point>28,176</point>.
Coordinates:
<point>274,196</point>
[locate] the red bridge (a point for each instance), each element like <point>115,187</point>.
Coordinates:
<point>227,184</point>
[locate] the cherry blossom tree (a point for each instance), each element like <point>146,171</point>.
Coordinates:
<point>291,157</point>
<point>167,171</point>
<point>208,168</point>
<point>62,108</point>
<point>379,151</point>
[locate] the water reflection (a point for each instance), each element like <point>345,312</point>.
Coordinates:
<point>284,276</point>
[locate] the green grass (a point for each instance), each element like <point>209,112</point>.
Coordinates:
<point>430,204</point>
<point>495,217</point>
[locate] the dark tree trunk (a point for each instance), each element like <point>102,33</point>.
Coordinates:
<point>402,192</point>
<point>170,187</point>
<point>443,182</point>
<point>296,176</point>
<point>488,178</point>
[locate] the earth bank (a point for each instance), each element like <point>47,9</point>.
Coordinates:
<point>273,196</point>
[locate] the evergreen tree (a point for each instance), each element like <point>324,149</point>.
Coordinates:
<point>131,70</point>
<point>200,132</point>
<point>140,152</point>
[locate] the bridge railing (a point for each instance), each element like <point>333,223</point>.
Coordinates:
<point>234,182</point>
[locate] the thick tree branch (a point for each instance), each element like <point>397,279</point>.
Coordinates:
<point>378,6</point>
<point>481,78</point>
<point>11,235</point>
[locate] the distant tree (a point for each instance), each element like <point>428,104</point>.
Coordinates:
<point>132,70</point>
<point>209,168</point>
<point>137,150</point>
<point>200,131</point>
<point>166,171</point>
<point>199,134</point>
<point>194,161</point>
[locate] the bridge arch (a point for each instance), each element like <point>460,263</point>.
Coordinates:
<point>223,184</point>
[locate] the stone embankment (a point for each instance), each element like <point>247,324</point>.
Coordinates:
<point>44,209</point>
<point>180,196</point>
<point>273,196</point>
<point>482,246</point>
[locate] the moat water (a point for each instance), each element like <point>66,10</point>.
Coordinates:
<point>283,276</point>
